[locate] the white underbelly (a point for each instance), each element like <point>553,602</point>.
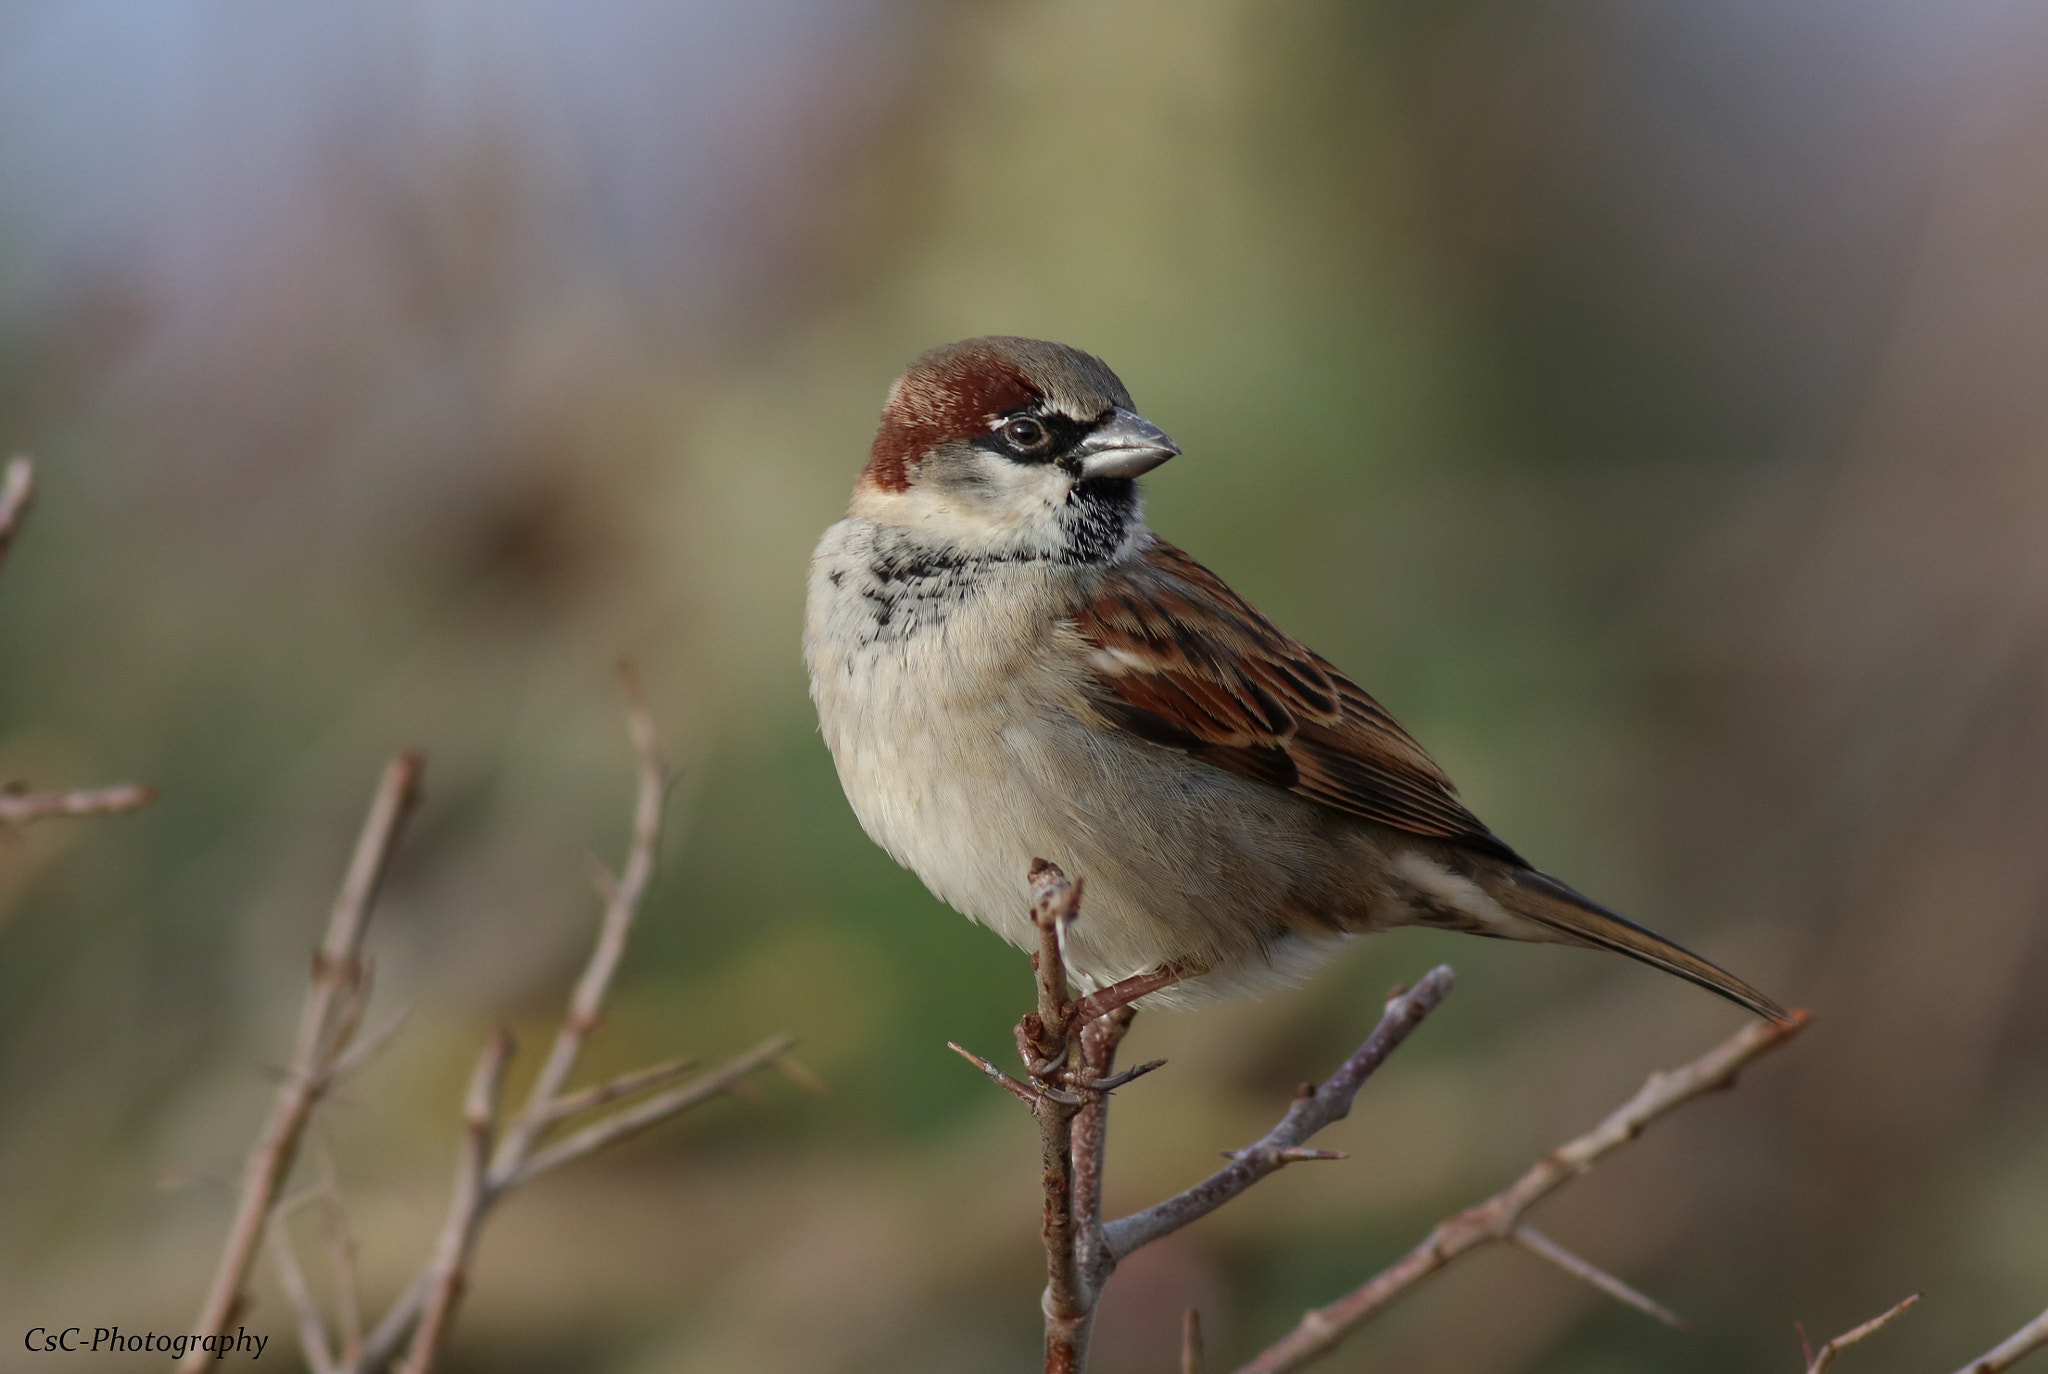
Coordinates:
<point>959,755</point>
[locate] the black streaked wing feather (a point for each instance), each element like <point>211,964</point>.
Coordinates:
<point>1186,663</point>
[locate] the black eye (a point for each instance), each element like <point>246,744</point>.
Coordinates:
<point>1026,434</point>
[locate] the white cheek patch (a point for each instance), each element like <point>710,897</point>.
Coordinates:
<point>1010,508</point>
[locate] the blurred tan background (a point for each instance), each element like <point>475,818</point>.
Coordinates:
<point>1646,402</point>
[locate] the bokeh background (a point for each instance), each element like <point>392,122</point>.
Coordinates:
<point>1647,402</point>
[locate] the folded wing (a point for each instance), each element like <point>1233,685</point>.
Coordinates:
<point>1185,662</point>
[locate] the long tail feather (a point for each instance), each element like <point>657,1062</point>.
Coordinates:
<point>1543,899</point>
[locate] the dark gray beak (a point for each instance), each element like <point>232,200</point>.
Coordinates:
<point>1125,445</point>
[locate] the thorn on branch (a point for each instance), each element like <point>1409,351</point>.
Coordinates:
<point>1543,1247</point>
<point>1029,1094</point>
<point>798,1074</point>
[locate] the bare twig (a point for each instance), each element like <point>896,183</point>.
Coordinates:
<point>1542,1246</point>
<point>20,808</point>
<point>290,1277</point>
<point>2010,1351</point>
<point>625,1085</point>
<point>1497,1218</point>
<point>1827,1353</point>
<point>1069,1053</point>
<point>341,1248</point>
<point>366,1049</point>
<point>333,1005</point>
<point>1069,1306</point>
<point>494,1161</point>
<point>447,1272</point>
<point>638,1117</point>
<point>1023,1092</point>
<point>17,494</point>
<point>586,1003</point>
<point>1313,1108</point>
<point>17,806</point>
<point>1191,1341</point>
<point>1099,1041</point>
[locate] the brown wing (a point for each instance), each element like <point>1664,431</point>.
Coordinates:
<point>1185,662</point>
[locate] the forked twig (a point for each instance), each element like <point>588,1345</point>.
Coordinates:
<point>495,1156</point>
<point>1069,1051</point>
<point>446,1273</point>
<point>17,806</point>
<point>333,1006</point>
<point>1497,1218</point>
<point>291,1278</point>
<point>1313,1108</point>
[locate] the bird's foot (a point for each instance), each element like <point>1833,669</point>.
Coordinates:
<point>1119,995</point>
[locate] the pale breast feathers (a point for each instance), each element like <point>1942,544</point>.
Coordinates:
<point>1184,662</point>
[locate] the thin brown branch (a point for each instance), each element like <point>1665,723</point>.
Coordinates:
<point>1023,1092</point>
<point>322,1037</point>
<point>1542,1246</point>
<point>1313,1109</point>
<point>389,1334</point>
<point>1827,1353</point>
<point>2010,1351</point>
<point>1191,1341</point>
<point>1069,1306</point>
<point>612,1090</point>
<point>1100,1040</point>
<point>494,1162</point>
<point>1069,1052</point>
<point>447,1273</point>
<point>21,808</point>
<point>341,1249</point>
<point>1496,1218</point>
<point>638,1117</point>
<point>17,494</point>
<point>622,906</point>
<point>291,1278</point>
<point>364,1050</point>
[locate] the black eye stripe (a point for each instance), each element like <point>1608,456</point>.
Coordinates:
<point>1061,433</point>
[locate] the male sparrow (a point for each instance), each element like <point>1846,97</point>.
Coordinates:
<point>1008,664</point>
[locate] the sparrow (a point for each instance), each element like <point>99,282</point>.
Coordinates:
<point>1008,664</point>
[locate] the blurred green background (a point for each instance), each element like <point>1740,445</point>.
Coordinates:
<point>1644,401</point>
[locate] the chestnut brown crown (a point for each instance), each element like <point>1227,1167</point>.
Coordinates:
<point>959,392</point>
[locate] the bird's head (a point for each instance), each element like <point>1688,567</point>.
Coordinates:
<point>1011,447</point>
